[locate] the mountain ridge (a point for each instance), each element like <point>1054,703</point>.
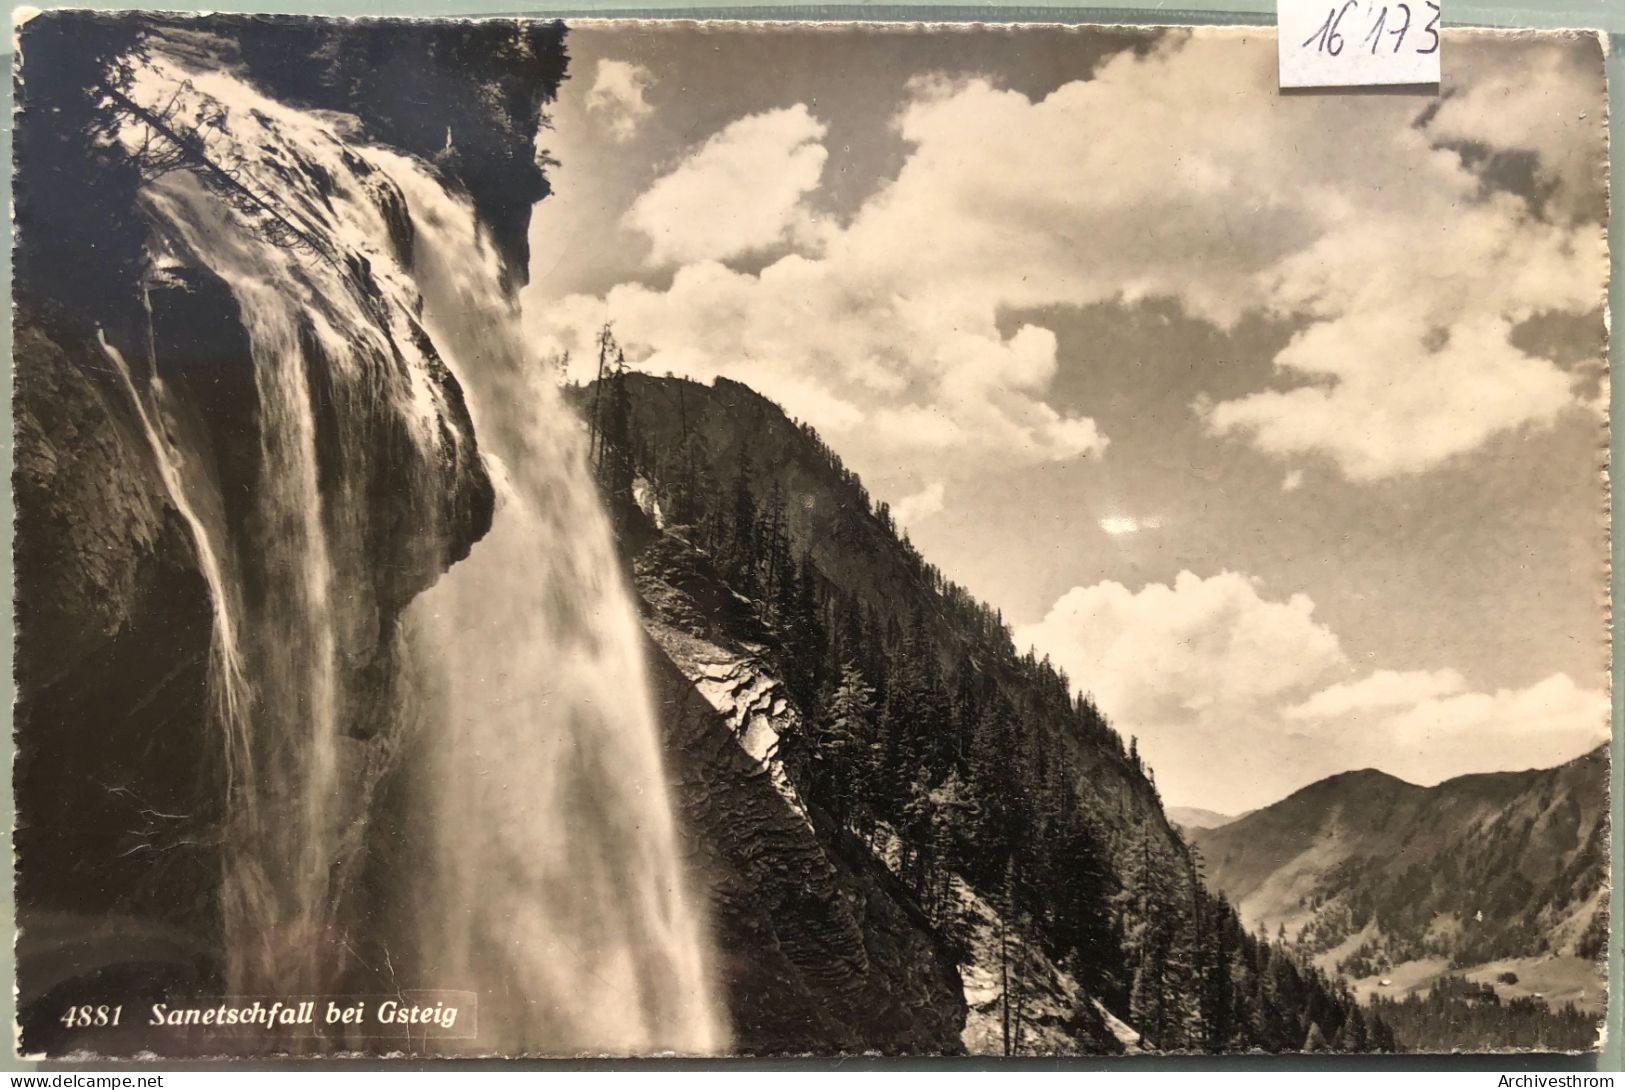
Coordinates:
<point>1376,878</point>
<point>895,708</point>
<point>1374,773</point>
<point>1195,817</point>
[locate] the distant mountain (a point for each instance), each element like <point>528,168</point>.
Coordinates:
<point>1494,876</point>
<point>1194,817</point>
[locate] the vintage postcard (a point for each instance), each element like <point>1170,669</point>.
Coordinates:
<point>626,538</point>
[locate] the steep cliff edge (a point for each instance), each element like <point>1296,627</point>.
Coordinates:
<point>909,977</point>
<point>825,946</point>
<point>819,948</point>
<point>159,186</point>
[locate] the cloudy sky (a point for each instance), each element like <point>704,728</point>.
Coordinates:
<point>1275,419</point>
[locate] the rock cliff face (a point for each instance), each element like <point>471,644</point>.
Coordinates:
<point>841,956</point>
<point>110,606</point>
<point>819,948</point>
<point>146,430</point>
<point>467,96</point>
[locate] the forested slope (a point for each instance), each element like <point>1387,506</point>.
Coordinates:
<point>998,796</point>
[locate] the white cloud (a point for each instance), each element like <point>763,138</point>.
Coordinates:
<point>1118,525</point>
<point>1197,671</point>
<point>1415,290</point>
<point>1549,104</point>
<point>1382,689</point>
<point>738,192</point>
<point>617,96</point>
<point>1542,725</point>
<point>920,505</point>
<point>1411,361</point>
<point>1218,681</point>
<point>1200,649</point>
<point>890,376</point>
<point>1422,727</point>
<point>1292,481</point>
<point>1179,172</point>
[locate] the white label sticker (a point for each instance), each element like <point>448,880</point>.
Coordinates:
<point>1358,43</point>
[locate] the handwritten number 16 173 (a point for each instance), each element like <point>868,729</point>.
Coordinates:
<point>1390,21</point>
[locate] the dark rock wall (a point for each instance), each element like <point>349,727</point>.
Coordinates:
<point>818,949</point>
<point>119,783</point>
<point>467,96</point>
<point>115,835</point>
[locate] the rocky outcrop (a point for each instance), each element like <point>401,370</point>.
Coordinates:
<point>111,612</point>
<point>1051,1014</point>
<point>819,949</point>
<point>467,96</point>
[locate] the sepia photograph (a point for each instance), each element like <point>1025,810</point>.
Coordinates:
<point>614,538</point>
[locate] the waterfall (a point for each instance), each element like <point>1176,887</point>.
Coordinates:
<point>227,682</point>
<point>548,877</point>
<point>548,770</point>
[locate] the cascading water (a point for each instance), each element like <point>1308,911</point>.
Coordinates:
<point>548,773</point>
<point>550,883</point>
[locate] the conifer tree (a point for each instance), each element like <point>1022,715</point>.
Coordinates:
<point>774,540</point>
<point>616,464</point>
<point>741,554</point>
<point>844,744</point>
